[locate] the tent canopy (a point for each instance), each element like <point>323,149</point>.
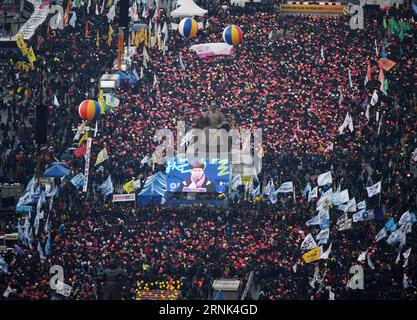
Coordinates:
<point>187,8</point>
<point>56,170</point>
<point>153,190</point>
<point>123,76</point>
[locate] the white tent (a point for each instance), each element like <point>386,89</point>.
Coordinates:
<point>187,8</point>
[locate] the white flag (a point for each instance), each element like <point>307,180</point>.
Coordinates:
<point>329,148</point>
<point>313,221</point>
<point>325,255</point>
<point>361,205</point>
<point>312,194</point>
<point>406,254</point>
<point>63,289</point>
<point>373,190</point>
<point>236,181</point>
<point>145,159</point>
<point>347,123</point>
<point>102,6</point>
<point>405,218</point>
<point>308,243</point>
<point>73,19</point>
<point>323,234</point>
<point>181,62</point>
<point>324,179</point>
<point>358,216</point>
<point>112,13</point>
<point>40,251</point>
<point>406,284</point>
<point>286,187</point>
<point>346,225</point>
<point>362,256</point>
<point>414,155</point>
<point>398,258</point>
<point>112,101</point>
<point>348,207</point>
<point>350,78</point>
<point>8,291</point>
<point>370,264</point>
<point>382,88</point>
<point>344,196</point>
<point>381,234</point>
<point>322,52</point>
<point>324,200</point>
<point>374,99</point>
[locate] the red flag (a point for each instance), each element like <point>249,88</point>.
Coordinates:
<point>45,3</point>
<point>81,151</point>
<point>48,32</point>
<point>381,76</point>
<point>67,13</point>
<point>40,40</point>
<point>386,64</point>
<point>86,29</point>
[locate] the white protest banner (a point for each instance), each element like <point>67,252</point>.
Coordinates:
<point>87,163</point>
<point>63,289</point>
<point>308,243</point>
<point>286,187</point>
<point>373,190</point>
<point>124,197</point>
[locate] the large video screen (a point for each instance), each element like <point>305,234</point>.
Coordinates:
<point>197,175</point>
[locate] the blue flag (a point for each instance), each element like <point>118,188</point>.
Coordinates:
<point>390,225</point>
<point>48,246</point>
<point>379,213</point>
<point>414,7</point>
<point>4,266</point>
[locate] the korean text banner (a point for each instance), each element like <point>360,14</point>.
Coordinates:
<point>197,175</point>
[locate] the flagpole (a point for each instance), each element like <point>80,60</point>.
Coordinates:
<point>379,204</point>
<point>293,192</point>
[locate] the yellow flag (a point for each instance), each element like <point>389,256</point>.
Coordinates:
<point>312,255</point>
<point>142,35</point>
<point>110,36</point>
<point>153,158</point>
<point>21,44</point>
<point>101,101</point>
<point>98,39</point>
<point>128,186</point>
<point>136,37</point>
<point>148,40</point>
<point>31,56</point>
<point>102,156</point>
<point>83,138</point>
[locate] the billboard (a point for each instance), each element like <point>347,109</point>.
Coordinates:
<point>312,8</point>
<point>197,175</point>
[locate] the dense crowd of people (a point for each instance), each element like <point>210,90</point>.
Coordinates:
<point>296,90</point>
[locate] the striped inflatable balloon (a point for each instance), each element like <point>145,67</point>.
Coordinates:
<point>89,110</point>
<point>232,35</point>
<point>188,27</point>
